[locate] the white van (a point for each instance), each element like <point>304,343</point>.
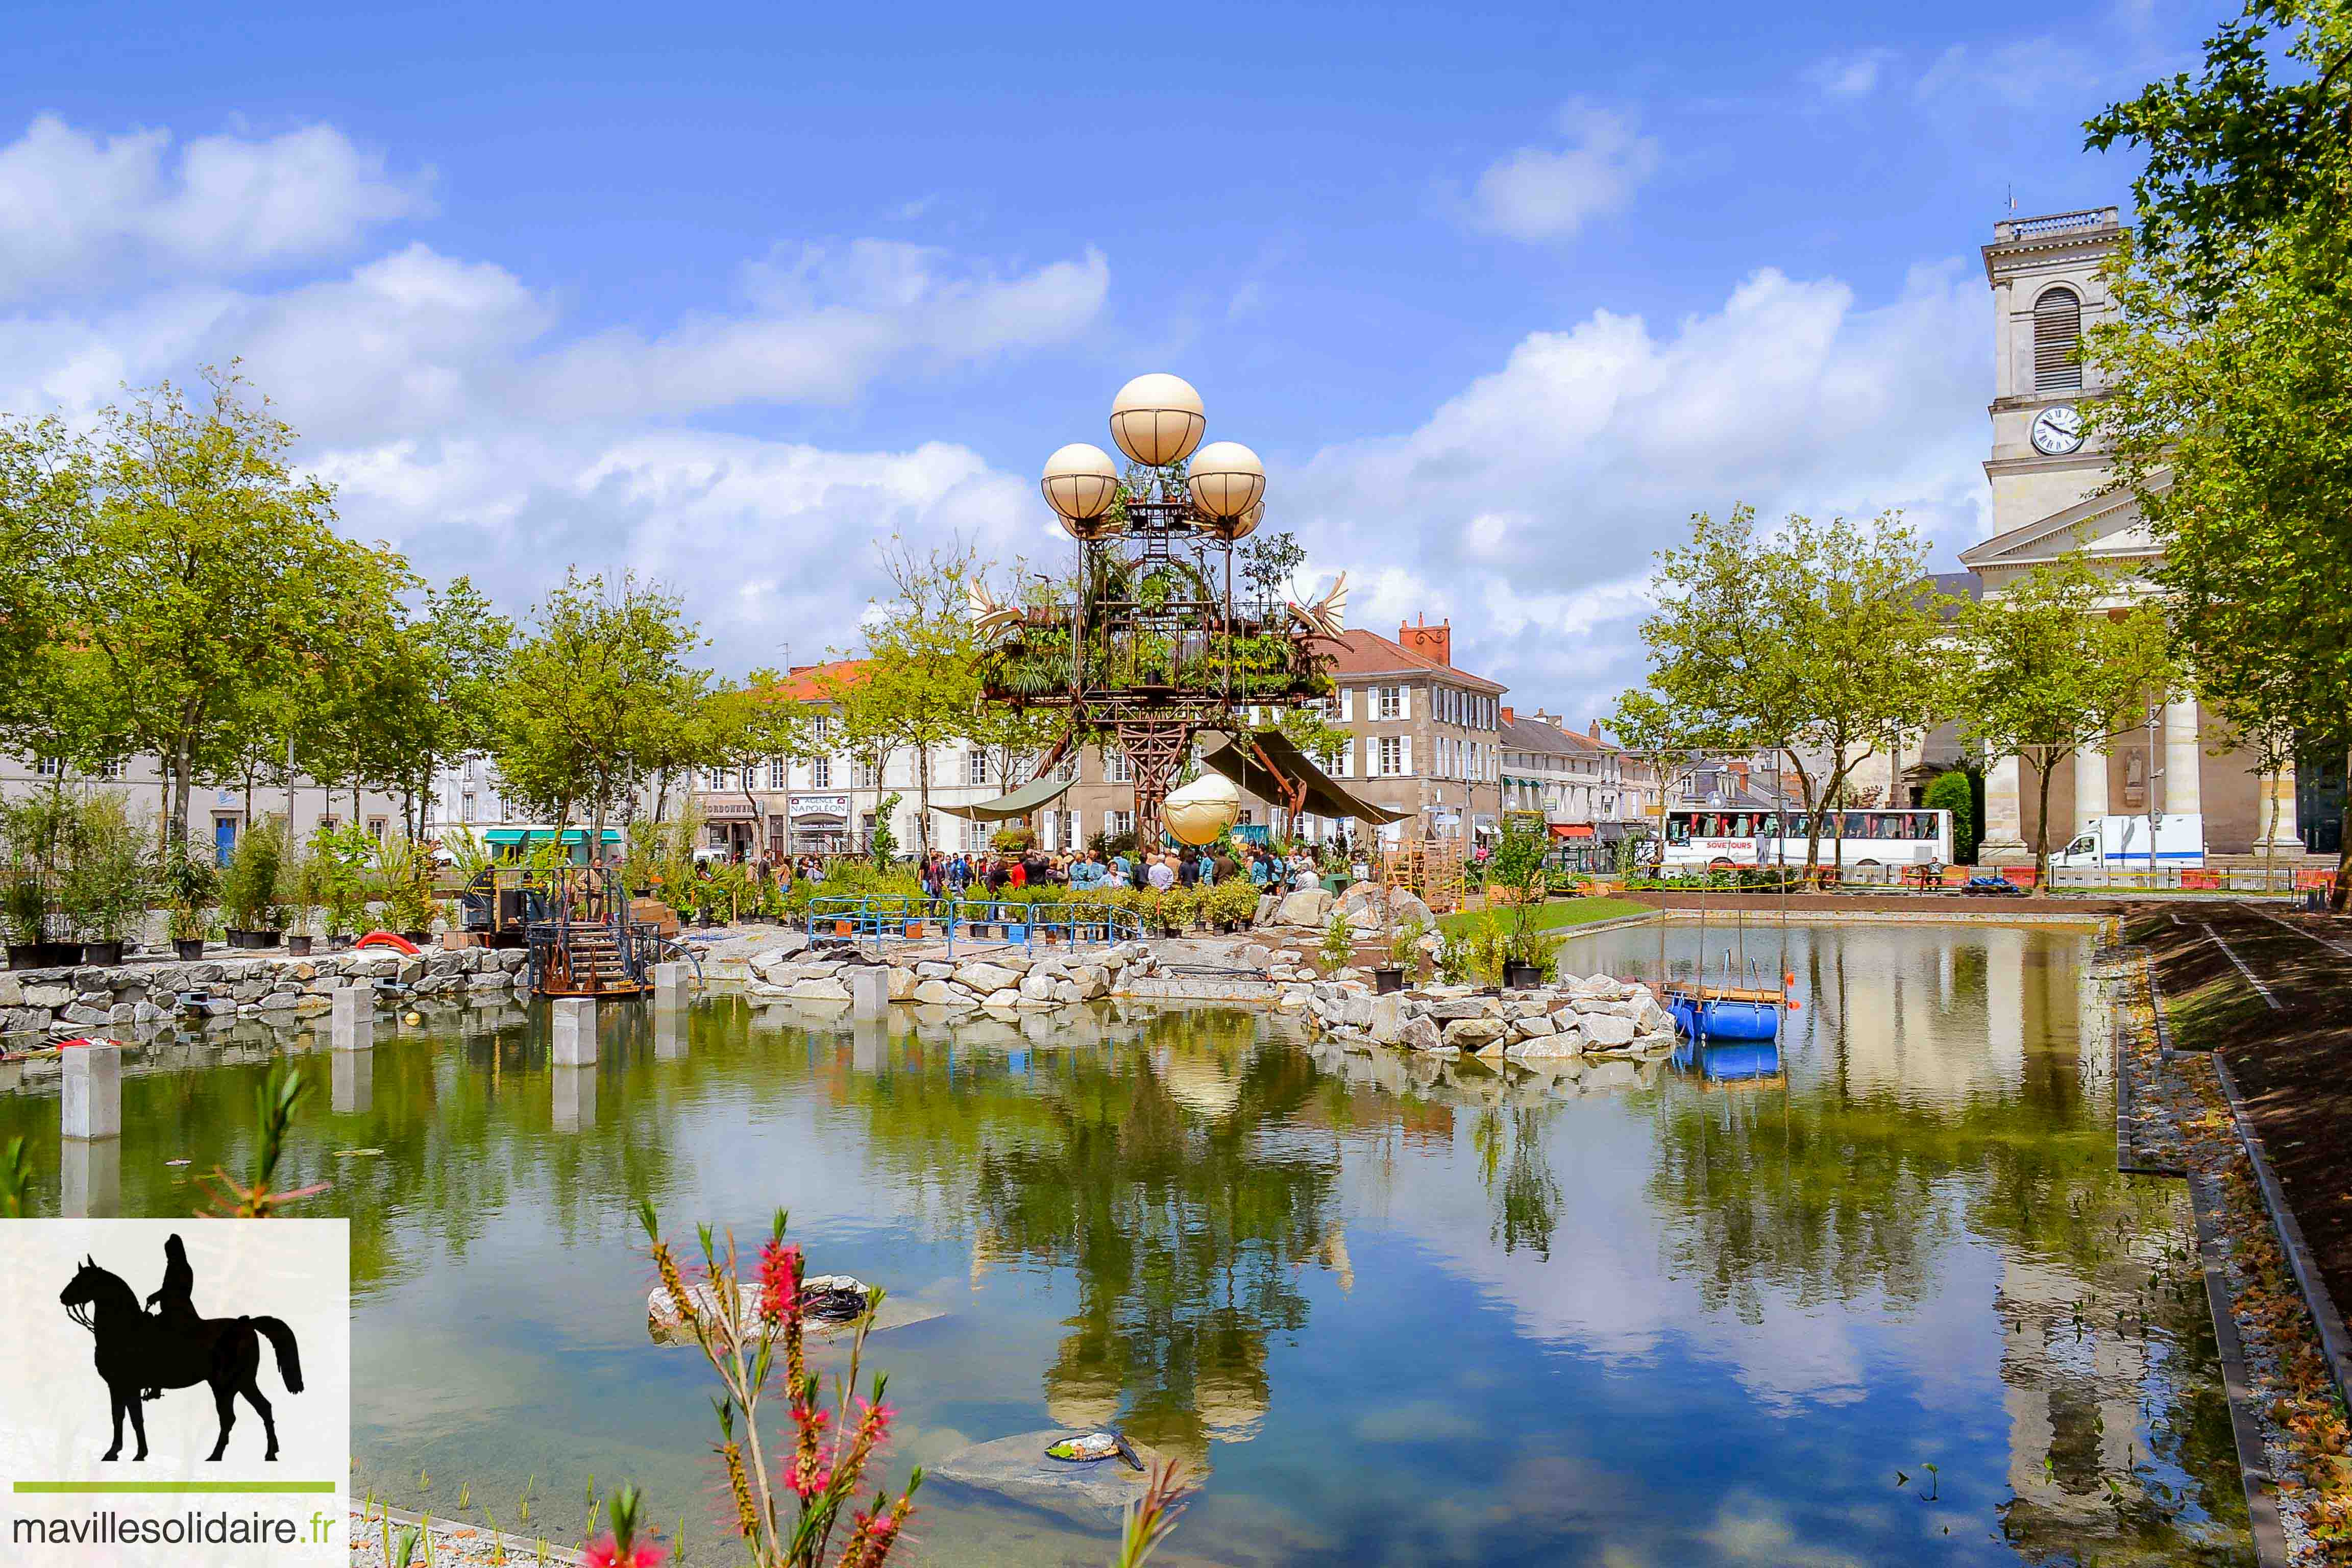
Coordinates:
<point>2120,843</point>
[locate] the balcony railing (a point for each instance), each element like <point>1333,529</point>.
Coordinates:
<point>2055,223</point>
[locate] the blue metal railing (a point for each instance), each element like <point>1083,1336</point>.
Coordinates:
<point>886,919</point>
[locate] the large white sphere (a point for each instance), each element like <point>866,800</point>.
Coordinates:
<point>1079,483</point>
<point>1201,809</point>
<point>1157,419</point>
<point>1226,480</point>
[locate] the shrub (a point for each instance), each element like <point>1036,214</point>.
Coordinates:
<point>189,883</point>
<point>1952,792</point>
<point>251,899</point>
<point>107,883</point>
<point>1339,942</point>
<point>404,871</point>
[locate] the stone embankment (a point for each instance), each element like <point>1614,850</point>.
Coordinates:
<point>61,1003</point>
<point>996,979</point>
<point>1590,1016</point>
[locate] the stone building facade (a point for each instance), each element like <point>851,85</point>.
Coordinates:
<point>2049,476</point>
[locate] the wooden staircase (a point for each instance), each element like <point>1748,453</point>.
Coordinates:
<point>586,961</point>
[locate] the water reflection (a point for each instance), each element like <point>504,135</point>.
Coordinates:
<point>1406,1308</point>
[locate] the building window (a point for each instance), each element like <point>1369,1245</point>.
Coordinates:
<point>1389,701</point>
<point>377,826</point>
<point>2058,342</point>
<point>821,729</point>
<point>821,772</point>
<point>1116,768</point>
<point>776,772</point>
<point>713,779</point>
<point>1069,772</point>
<point>1391,755</point>
<point>975,766</point>
<point>869,776</point>
<point>1122,822</point>
<point>47,767</point>
<point>717,837</point>
<point>466,809</point>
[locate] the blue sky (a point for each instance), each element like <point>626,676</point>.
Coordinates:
<point>1501,296</point>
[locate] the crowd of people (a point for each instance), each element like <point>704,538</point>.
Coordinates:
<point>965,874</point>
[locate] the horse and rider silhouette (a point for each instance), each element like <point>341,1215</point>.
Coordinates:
<point>140,1354</point>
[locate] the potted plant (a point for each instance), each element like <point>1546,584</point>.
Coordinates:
<point>106,882</point>
<point>405,869</point>
<point>1515,873</point>
<point>24,913</point>
<point>303,876</point>
<point>189,884</point>
<point>1404,954</point>
<point>1525,959</point>
<point>249,892</point>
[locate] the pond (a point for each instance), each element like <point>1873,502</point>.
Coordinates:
<point>1881,1299</point>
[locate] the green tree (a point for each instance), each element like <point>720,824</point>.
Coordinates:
<point>2054,667</point>
<point>743,725</point>
<point>197,579</point>
<point>1816,641</point>
<point>1658,738</point>
<point>1951,792</point>
<point>2227,401</point>
<point>590,692</point>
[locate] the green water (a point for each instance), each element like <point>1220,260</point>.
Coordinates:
<point>1405,1312</point>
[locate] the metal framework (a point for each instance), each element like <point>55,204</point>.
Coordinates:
<point>1147,645</point>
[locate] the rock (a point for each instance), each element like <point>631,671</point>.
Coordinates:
<point>1541,1047</point>
<point>122,1012</point>
<point>410,971</point>
<point>902,985</point>
<point>1004,1001</point>
<point>1418,1035</point>
<point>492,981</point>
<point>1065,992</point>
<point>1405,908</point>
<point>147,1013</point>
<point>1598,985</point>
<point>1472,1034</point>
<point>1267,903</point>
<point>1459,1007</point>
<point>308,1005</point>
<point>11,991</point>
<point>1385,1018</point>
<point>1090,982</point>
<point>933,969</point>
<point>1296,997</point>
<point>1307,907</point>
<point>1536,1025</point>
<point>935,993</point>
<point>1656,1042</point>
<point>1607,1030</point>
<point>1356,1009</point>
<point>818,990</point>
<point>280,1001</point>
<point>1038,986</point>
<point>48,997</point>
<point>983,977</point>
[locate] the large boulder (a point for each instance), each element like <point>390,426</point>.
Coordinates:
<point>1307,907</point>
<point>1548,1047</point>
<point>983,977</point>
<point>1607,1031</point>
<point>1418,1035</point>
<point>937,992</point>
<point>1473,1033</point>
<point>1037,985</point>
<point>1386,1018</point>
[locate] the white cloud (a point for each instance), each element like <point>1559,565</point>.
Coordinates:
<point>1849,76</point>
<point>1527,507</point>
<point>1543,194</point>
<point>83,211</point>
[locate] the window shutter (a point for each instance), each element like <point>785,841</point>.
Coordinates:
<point>1405,751</point>
<point>1404,705</point>
<point>1347,704</point>
<point>2058,342</point>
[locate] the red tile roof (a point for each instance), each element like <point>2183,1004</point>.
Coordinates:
<point>817,682</point>
<point>1361,653</point>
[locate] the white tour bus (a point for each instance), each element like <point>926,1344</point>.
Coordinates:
<point>1724,836</point>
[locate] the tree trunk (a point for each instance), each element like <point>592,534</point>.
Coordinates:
<point>183,764</point>
<point>2342,893</point>
<point>923,799</point>
<point>2042,822</point>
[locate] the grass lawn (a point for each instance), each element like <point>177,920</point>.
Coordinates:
<point>1554,915</point>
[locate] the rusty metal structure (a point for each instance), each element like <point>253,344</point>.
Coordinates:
<point>1149,643</point>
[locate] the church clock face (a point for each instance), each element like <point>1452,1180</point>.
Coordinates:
<point>2058,431</point>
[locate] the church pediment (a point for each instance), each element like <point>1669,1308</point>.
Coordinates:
<point>2108,524</point>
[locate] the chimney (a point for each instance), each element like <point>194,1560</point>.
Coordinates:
<point>1430,642</point>
<point>1739,773</point>
<point>1594,733</point>
<point>1507,715</point>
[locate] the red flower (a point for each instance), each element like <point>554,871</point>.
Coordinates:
<point>780,1279</point>
<point>607,1554</point>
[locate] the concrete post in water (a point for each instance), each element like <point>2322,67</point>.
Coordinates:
<point>669,983</point>
<point>351,1077</point>
<point>92,1099</point>
<point>89,1178</point>
<point>352,1023</point>
<point>575,1031</point>
<point>869,992</point>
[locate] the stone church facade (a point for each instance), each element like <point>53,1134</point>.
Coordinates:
<point>2049,495</point>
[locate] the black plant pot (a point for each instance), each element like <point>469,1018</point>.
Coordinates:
<point>1519,976</point>
<point>106,955</point>
<point>187,949</point>
<point>421,938</point>
<point>300,946</point>
<point>340,943</point>
<point>1387,977</point>
<point>253,941</point>
<point>24,954</point>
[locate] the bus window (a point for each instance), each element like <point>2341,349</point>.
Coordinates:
<point>1678,828</point>
<point>1740,827</point>
<point>1853,824</point>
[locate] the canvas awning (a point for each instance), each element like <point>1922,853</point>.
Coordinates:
<point>1029,798</point>
<point>543,835</point>
<point>1322,796</point>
